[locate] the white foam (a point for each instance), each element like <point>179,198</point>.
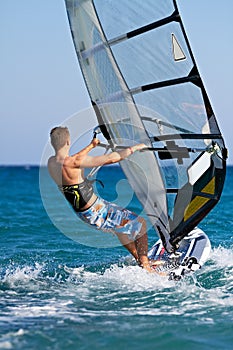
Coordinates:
<point>5,345</point>
<point>119,290</point>
<point>16,275</point>
<point>4,340</point>
<point>222,257</point>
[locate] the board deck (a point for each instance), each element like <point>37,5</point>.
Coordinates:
<point>192,253</point>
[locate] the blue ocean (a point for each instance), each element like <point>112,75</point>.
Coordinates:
<point>64,286</point>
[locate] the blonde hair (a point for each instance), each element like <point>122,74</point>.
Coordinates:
<point>59,136</point>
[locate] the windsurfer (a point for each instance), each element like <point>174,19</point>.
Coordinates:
<point>68,173</point>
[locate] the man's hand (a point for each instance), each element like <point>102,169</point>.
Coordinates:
<point>138,147</point>
<point>95,142</point>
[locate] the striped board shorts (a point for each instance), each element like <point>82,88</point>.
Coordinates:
<point>109,217</point>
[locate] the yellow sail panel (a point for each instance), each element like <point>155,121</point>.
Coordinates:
<point>210,187</point>
<point>196,204</point>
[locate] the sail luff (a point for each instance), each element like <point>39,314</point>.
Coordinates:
<point>131,168</point>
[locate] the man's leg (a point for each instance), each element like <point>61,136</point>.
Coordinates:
<point>128,244</point>
<point>139,247</point>
<point>141,244</point>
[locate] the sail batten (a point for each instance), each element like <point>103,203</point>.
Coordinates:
<point>174,17</point>
<point>141,30</point>
<point>144,83</point>
<point>190,136</point>
<point>152,86</point>
<point>130,35</point>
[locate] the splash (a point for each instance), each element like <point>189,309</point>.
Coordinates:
<point>121,289</point>
<point>16,275</point>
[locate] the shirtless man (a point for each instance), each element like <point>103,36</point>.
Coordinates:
<point>68,173</point>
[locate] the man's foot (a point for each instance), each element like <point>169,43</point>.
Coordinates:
<point>151,266</point>
<point>156,262</point>
<point>148,267</point>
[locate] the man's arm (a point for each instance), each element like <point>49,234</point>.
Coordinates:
<point>86,161</point>
<point>88,148</point>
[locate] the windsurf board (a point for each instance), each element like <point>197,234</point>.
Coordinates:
<point>193,251</point>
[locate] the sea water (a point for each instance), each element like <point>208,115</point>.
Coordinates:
<point>59,291</point>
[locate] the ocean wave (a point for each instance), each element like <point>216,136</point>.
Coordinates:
<point>64,292</point>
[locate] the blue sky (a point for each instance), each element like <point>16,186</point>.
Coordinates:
<point>41,84</point>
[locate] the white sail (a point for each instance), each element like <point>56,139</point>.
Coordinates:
<point>145,87</point>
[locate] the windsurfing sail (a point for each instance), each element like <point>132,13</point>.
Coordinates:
<point>145,87</point>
